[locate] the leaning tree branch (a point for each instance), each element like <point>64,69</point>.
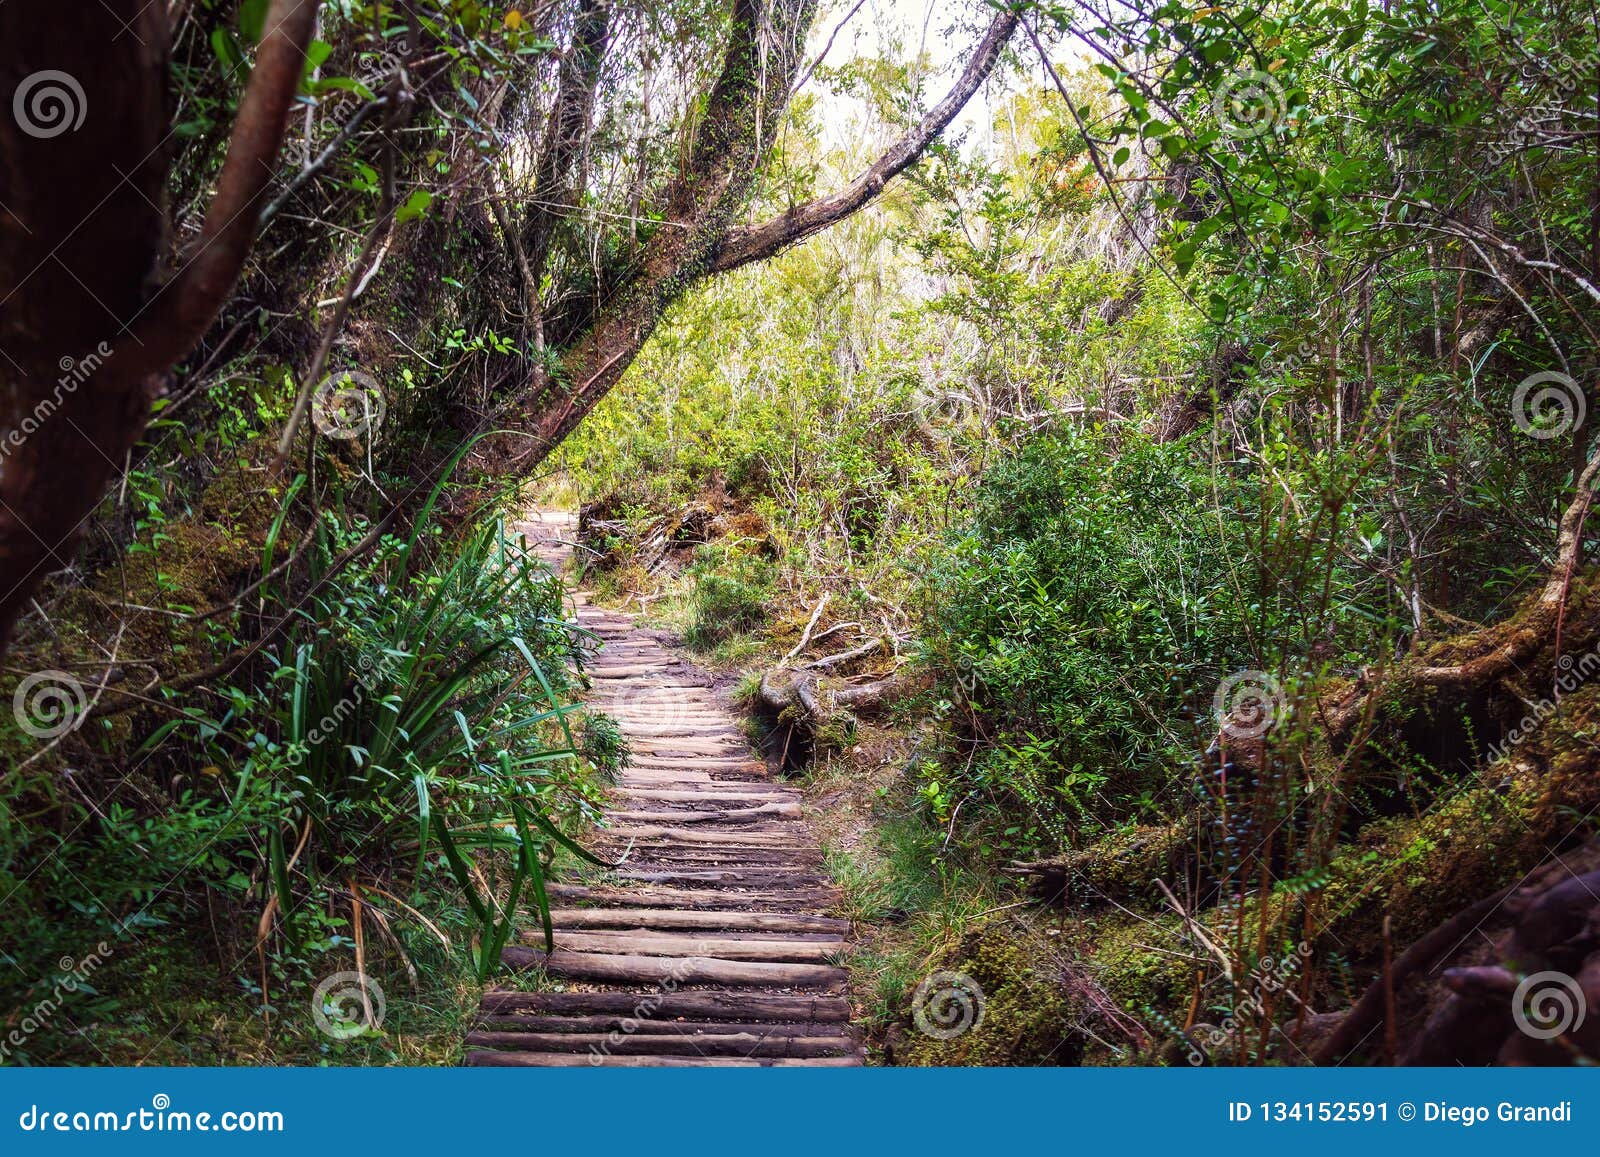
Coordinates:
<point>1514,644</point>
<point>742,110</point>
<point>183,309</point>
<point>759,242</point>
<point>80,240</point>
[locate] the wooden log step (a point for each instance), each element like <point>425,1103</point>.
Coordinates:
<point>711,796</point>
<point>621,1044</point>
<point>676,969</point>
<point>665,727</point>
<point>663,777</point>
<point>602,673</point>
<point>637,853</point>
<point>742,816</point>
<point>777,835</point>
<point>669,747</point>
<point>743,1006</point>
<point>666,769</point>
<point>693,723</point>
<point>753,878</point>
<point>690,837</point>
<point>680,918</point>
<point>633,857</point>
<point>809,901</point>
<point>616,942</point>
<point>644,775</point>
<point>637,857</point>
<point>730,746</point>
<point>648,780</point>
<point>700,763</point>
<point>693,800</point>
<point>669,1029</point>
<point>613,691</point>
<point>483,1058</point>
<point>671,704</point>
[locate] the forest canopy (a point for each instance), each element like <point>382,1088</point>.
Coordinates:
<point>1127,465</point>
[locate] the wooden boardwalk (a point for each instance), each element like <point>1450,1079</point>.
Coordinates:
<point>710,944</point>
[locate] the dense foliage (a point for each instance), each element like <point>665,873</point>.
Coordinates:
<point>1187,465</point>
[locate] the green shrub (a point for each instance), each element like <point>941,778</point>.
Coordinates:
<point>729,597</point>
<point>1085,617</point>
<point>407,734</point>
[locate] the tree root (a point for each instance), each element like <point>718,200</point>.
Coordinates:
<point>1526,960</point>
<point>1505,648</point>
<point>805,694</point>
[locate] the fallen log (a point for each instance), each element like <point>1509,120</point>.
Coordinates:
<point>789,692</point>
<point>1527,953</point>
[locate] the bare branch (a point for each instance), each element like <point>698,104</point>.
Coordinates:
<point>758,242</point>
<point>183,309</point>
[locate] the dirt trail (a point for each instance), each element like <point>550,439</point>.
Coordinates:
<point>711,943</point>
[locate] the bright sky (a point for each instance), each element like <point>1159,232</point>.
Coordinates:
<point>905,28</point>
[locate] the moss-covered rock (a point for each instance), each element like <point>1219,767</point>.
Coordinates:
<point>1023,1011</point>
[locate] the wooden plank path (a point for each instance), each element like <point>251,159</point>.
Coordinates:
<point>711,944</point>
